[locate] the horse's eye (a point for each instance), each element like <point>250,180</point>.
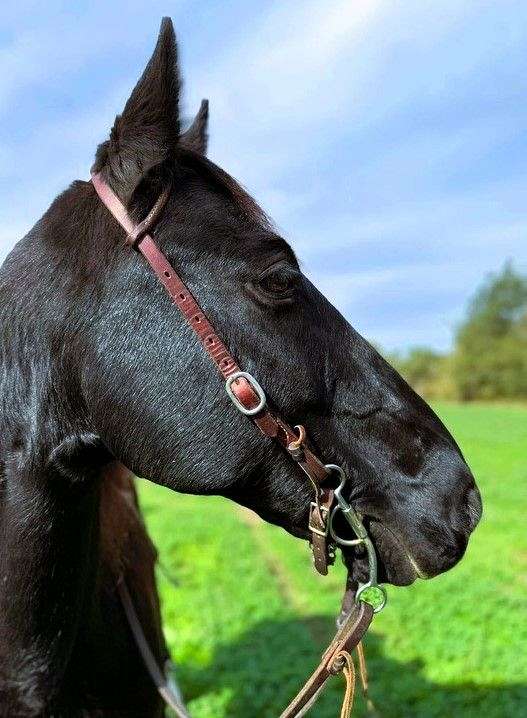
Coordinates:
<point>275,286</point>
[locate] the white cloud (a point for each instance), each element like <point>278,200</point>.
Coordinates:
<point>49,41</point>
<point>368,298</point>
<point>287,92</point>
<point>289,75</point>
<point>461,221</point>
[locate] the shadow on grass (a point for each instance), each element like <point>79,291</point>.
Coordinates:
<point>267,666</point>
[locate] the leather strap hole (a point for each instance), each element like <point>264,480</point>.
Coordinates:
<point>197,319</point>
<point>182,296</point>
<point>167,274</point>
<point>210,340</point>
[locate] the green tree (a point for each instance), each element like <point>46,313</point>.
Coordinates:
<point>490,357</point>
<point>428,372</point>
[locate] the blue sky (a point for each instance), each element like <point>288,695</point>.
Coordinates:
<point>386,139</point>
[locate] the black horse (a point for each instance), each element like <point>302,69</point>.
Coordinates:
<point>99,372</point>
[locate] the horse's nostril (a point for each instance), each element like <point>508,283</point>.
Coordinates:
<point>475,507</point>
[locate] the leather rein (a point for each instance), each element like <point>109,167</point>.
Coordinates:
<point>249,398</point>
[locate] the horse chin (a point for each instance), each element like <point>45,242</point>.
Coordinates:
<point>394,563</point>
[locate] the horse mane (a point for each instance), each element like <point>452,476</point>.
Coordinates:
<point>226,185</point>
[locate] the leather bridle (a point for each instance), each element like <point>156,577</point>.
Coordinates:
<point>249,398</point>
<point>246,393</point>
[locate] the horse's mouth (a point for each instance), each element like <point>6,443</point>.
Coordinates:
<point>395,564</point>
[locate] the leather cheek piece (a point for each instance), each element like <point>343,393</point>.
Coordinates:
<point>267,422</point>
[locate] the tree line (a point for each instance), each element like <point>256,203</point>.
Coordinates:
<point>489,356</point>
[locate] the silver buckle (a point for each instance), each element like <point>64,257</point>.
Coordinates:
<point>254,384</point>
<point>324,512</point>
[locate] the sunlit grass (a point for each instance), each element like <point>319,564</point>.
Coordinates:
<point>248,618</point>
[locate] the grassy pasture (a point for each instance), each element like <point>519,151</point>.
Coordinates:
<point>248,617</point>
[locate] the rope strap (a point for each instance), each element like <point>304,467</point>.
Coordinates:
<point>157,675</point>
<point>348,670</point>
<point>344,662</point>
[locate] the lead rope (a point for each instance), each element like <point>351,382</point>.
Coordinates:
<point>342,663</point>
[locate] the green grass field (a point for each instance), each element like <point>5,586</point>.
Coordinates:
<point>248,618</point>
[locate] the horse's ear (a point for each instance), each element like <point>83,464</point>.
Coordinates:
<point>147,131</point>
<point>196,137</point>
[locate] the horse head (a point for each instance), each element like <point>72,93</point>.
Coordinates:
<point>147,389</point>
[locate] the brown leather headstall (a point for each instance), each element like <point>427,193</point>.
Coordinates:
<point>245,392</point>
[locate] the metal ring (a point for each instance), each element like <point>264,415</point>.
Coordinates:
<point>334,534</point>
<point>297,443</point>
<point>382,591</point>
<point>342,477</point>
<point>254,385</point>
<point>340,471</point>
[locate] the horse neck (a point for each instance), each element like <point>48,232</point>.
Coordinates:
<point>48,552</point>
<point>51,471</point>
<point>55,526</point>
<point>69,529</point>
